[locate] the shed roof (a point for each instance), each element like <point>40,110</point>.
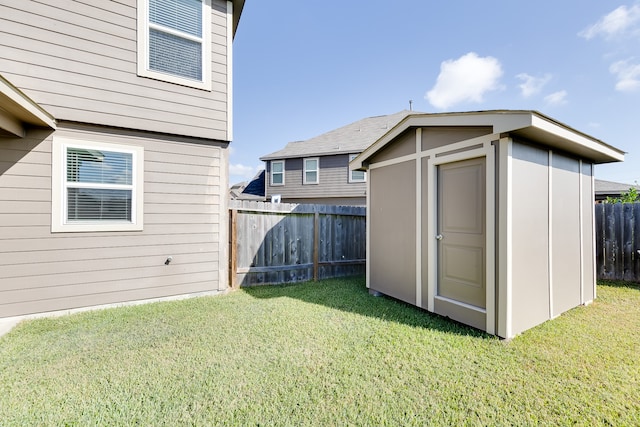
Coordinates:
<point>352,138</point>
<point>526,124</point>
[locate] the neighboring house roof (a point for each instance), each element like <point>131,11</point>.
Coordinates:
<point>350,139</point>
<point>256,185</point>
<point>253,190</point>
<point>610,188</point>
<point>526,124</point>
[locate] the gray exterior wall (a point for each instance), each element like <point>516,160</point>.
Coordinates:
<point>183,212</point>
<point>77,60</point>
<point>333,188</point>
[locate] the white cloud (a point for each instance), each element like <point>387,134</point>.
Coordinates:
<point>618,22</point>
<point>628,75</point>
<point>557,98</point>
<point>243,171</point>
<point>465,79</point>
<point>532,85</point>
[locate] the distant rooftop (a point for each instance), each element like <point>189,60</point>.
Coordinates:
<point>352,138</point>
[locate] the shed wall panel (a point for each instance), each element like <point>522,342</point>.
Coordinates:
<point>530,240</point>
<point>424,242</point>
<point>392,214</point>
<point>565,245</point>
<point>434,137</point>
<point>50,48</point>
<point>404,144</point>
<point>183,210</point>
<point>588,218</point>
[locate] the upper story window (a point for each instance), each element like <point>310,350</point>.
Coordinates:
<point>277,172</point>
<point>311,172</point>
<point>356,176</point>
<point>174,41</point>
<point>96,187</point>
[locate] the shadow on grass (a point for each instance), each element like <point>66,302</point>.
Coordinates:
<point>619,284</point>
<point>351,295</point>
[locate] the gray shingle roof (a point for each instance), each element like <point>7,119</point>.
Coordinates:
<point>352,138</point>
<point>607,187</point>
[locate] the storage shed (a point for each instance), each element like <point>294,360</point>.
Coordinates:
<point>485,217</point>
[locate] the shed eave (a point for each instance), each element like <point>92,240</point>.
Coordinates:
<point>531,125</point>
<point>557,135</point>
<point>18,111</point>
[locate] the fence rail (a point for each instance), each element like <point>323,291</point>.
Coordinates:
<point>618,241</point>
<point>282,243</point>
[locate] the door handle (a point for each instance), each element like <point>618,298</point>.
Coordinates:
<point>439,237</point>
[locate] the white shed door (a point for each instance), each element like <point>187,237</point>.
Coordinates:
<point>461,231</point>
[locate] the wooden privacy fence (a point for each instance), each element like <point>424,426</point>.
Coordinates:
<point>282,243</point>
<point>618,241</point>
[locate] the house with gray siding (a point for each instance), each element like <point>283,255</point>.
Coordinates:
<point>115,121</point>
<point>317,170</point>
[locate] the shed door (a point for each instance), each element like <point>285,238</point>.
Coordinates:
<point>461,232</point>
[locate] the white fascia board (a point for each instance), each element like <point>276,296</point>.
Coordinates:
<point>578,138</point>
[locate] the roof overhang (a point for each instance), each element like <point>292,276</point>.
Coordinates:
<point>18,112</point>
<point>238,5</point>
<point>528,125</point>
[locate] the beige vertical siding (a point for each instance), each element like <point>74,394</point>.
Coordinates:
<point>433,137</point>
<point>549,265</point>
<point>565,199</point>
<point>530,244</point>
<point>78,61</point>
<point>184,217</point>
<point>392,214</point>
<point>588,218</point>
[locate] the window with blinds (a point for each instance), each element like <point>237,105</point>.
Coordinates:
<point>174,40</point>
<point>99,185</point>
<point>96,186</point>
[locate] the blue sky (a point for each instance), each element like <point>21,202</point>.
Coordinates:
<point>302,68</point>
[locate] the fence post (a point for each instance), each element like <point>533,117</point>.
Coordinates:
<point>233,249</point>
<point>316,244</point>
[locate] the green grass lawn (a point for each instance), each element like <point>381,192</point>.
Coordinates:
<point>322,353</point>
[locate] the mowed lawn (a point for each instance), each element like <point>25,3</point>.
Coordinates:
<point>323,354</point>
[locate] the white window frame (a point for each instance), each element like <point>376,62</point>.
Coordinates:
<point>305,170</point>
<point>143,47</point>
<point>353,180</point>
<point>59,187</point>
<point>271,173</point>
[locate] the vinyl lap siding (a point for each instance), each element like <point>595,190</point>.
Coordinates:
<point>334,181</point>
<point>78,61</point>
<point>183,210</point>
